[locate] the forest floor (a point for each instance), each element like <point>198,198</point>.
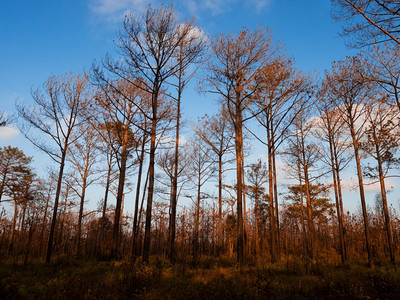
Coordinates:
<point>210,279</point>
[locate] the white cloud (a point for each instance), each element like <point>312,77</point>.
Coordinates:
<point>217,6</point>
<point>114,10</point>
<point>259,4</point>
<point>351,184</point>
<point>8,132</point>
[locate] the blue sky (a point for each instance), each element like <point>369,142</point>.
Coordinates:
<point>39,38</point>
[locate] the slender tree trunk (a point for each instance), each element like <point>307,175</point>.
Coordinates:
<point>271,196</point>
<point>303,225</point>
<point>107,187</point>
<point>220,238</point>
<point>44,225</point>
<point>278,234</point>
<point>239,171</point>
<point>197,221</point>
<point>338,209</point>
<point>310,223</point>
<point>12,236</point>
<point>256,242</point>
<point>57,197</point>
<point>120,195</point>
<point>138,186</point>
<point>83,192</point>
<point>147,234</point>
<point>246,229</point>
<point>174,194</point>
<point>339,186</point>
<point>140,229</point>
<point>388,224</point>
<point>362,196</point>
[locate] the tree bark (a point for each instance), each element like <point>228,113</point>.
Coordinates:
<point>55,208</point>
<point>362,195</point>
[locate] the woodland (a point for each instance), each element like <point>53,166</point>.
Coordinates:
<point>206,222</point>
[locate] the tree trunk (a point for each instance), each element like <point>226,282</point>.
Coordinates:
<point>138,184</point>
<point>57,197</point>
<point>271,196</point>
<point>147,234</point>
<point>197,221</point>
<point>338,210</point>
<point>78,250</point>
<point>278,234</point>
<point>107,187</point>
<point>220,238</point>
<point>388,224</point>
<point>239,173</point>
<point>174,192</point>
<point>11,242</point>
<point>303,225</point>
<point>362,196</point>
<point>120,194</point>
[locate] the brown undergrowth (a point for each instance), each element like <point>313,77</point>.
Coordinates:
<point>210,279</point>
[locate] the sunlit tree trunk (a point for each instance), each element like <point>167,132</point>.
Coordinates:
<point>138,186</point>
<point>362,193</point>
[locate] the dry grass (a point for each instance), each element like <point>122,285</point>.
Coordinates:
<point>211,279</point>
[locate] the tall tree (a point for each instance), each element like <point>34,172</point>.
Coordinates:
<point>193,45</point>
<point>83,156</point>
<point>149,47</point>
<point>216,132</point>
<point>236,62</point>
<point>285,91</point>
<point>56,113</point>
<point>303,153</point>
<point>115,120</point>
<point>383,140</point>
<point>350,95</point>
<point>329,128</point>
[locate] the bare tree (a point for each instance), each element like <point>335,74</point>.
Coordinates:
<point>201,170</point>
<point>383,139</point>
<point>83,157</point>
<point>149,47</point>
<point>55,115</point>
<point>189,52</point>
<point>237,61</point>
<point>284,93</point>
<point>383,67</point>
<point>303,158</point>
<point>350,95</point>
<point>216,132</point>
<point>118,105</point>
<point>370,21</point>
<point>329,127</point>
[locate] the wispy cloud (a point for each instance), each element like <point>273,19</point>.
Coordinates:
<point>115,10</point>
<point>8,132</point>
<point>259,5</point>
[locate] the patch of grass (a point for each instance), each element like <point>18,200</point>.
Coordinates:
<point>211,279</point>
